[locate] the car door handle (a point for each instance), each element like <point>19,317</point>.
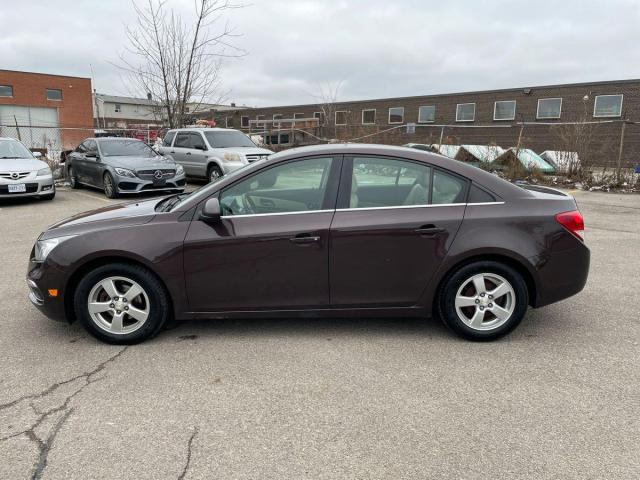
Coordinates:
<point>172,151</point>
<point>188,153</point>
<point>304,239</point>
<point>429,230</point>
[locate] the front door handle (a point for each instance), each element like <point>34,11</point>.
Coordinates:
<point>188,153</point>
<point>430,229</point>
<point>304,239</point>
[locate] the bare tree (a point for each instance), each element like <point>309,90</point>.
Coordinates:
<point>177,62</point>
<point>327,97</point>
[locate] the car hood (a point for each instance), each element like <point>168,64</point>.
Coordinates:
<point>113,216</point>
<point>20,164</point>
<point>140,163</point>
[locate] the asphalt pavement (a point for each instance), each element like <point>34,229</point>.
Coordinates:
<point>559,398</point>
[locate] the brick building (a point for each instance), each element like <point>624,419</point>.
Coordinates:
<point>541,118</point>
<point>45,111</point>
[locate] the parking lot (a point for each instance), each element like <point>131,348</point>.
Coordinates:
<point>319,398</point>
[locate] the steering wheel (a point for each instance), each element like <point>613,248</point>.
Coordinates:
<point>248,204</point>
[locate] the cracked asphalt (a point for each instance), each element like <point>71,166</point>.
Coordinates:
<point>328,399</point>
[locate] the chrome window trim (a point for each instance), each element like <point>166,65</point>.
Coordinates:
<point>361,209</point>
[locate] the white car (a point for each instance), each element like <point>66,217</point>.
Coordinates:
<point>211,152</point>
<point>22,174</point>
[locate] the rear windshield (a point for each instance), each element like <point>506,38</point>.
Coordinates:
<point>125,148</point>
<point>229,139</point>
<point>13,149</point>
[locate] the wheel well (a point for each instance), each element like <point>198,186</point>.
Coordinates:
<point>73,282</point>
<point>212,164</point>
<point>515,264</point>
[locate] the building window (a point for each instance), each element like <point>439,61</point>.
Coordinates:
<point>260,121</point>
<point>427,114</point>
<point>6,91</point>
<point>298,115</point>
<point>504,110</point>
<point>228,122</point>
<point>607,106</point>
<point>118,108</point>
<point>549,108</point>
<point>396,115</point>
<point>465,112</point>
<point>186,109</point>
<point>54,94</point>
<point>341,117</point>
<point>319,116</point>
<point>369,117</point>
<point>244,122</point>
<point>277,116</point>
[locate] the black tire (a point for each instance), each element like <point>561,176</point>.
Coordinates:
<point>213,173</point>
<point>159,303</point>
<point>73,178</point>
<point>110,186</point>
<point>460,278</point>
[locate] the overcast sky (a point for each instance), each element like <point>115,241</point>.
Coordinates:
<point>377,48</point>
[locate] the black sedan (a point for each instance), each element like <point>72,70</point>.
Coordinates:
<point>122,165</point>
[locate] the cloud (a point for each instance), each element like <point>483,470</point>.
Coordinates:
<point>376,48</point>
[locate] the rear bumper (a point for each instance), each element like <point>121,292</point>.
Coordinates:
<point>561,274</point>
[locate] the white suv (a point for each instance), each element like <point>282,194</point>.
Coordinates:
<point>210,152</point>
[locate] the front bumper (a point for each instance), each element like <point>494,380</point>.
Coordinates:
<point>34,186</point>
<point>138,185</point>
<point>42,280</point>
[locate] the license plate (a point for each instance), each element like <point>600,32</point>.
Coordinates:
<point>17,188</point>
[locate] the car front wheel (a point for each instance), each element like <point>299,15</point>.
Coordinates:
<point>121,303</point>
<point>214,173</point>
<point>73,178</point>
<point>483,300</point>
<point>110,186</point>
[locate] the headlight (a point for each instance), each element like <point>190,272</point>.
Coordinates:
<point>231,157</point>
<point>179,170</point>
<point>123,172</point>
<point>44,172</point>
<point>44,247</point>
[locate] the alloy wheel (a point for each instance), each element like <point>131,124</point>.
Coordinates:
<point>118,305</point>
<point>214,175</point>
<point>485,301</point>
<point>108,185</point>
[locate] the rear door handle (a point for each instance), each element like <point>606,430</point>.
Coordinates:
<point>429,230</point>
<point>304,239</point>
<point>188,153</point>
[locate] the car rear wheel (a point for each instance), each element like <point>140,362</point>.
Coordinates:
<point>121,304</point>
<point>483,300</point>
<point>214,173</point>
<point>110,186</point>
<point>73,178</point>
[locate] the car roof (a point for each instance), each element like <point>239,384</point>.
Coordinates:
<point>201,129</point>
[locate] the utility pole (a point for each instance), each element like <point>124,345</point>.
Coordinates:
<point>619,165</point>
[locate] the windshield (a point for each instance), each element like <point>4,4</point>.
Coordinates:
<point>125,148</point>
<point>13,149</point>
<point>229,139</point>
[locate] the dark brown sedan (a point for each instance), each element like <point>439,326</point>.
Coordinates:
<point>335,230</point>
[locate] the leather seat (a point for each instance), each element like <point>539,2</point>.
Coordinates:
<point>353,201</point>
<point>419,193</point>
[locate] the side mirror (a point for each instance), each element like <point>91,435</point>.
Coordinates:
<point>211,211</point>
<point>37,155</point>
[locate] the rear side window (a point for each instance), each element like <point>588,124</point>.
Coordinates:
<point>168,138</point>
<point>182,140</point>
<point>478,195</point>
<point>447,188</point>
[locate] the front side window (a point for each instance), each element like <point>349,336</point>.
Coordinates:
<point>54,94</point>
<point>607,106</point>
<point>168,138</point>
<point>222,139</point>
<point>384,182</point>
<point>549,108</point>
<point>396,115</point>
<point>341,118</point>
<point>504,110</point>
<point>6,91</point>
<point>197,141</point>
<point>182,140</point>
<point>427,114</point>
<point>297,186</point>
<point>465,112</point>
<point>124,148</point>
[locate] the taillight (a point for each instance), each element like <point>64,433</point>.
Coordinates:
<point>573,222</point>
